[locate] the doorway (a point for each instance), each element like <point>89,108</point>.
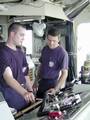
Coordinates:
<point>83,45</point>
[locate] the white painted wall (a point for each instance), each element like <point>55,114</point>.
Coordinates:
<point>5,113</point>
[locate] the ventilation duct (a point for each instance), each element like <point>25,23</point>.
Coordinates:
<point>72,12</point>
<point>25,18</point>
<point>9,1</point>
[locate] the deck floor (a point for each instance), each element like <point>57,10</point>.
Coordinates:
<point>31,116</point>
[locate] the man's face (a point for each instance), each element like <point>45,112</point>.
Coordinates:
<point>19,36</point>
<point>52,41</point>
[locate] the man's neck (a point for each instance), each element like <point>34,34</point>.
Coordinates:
<point>10,45</point>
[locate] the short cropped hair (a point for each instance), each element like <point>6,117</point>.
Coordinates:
<point>14,27</point>
<point>53,31</point>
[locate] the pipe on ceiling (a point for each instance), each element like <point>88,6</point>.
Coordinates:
<point>74,11</point>
<point>10,1</point>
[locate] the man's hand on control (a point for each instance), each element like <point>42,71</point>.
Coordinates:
<point>52,91</point>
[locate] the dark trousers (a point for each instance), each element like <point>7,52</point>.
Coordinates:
<point>44,85</point>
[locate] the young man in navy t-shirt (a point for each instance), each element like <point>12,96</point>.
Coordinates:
<point>14,80</point>
<point>53,70</point>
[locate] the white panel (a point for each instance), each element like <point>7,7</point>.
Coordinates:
<point>40,9</point>
<point>5,113</point>
<point>23,10</point>
<point>55,10</point>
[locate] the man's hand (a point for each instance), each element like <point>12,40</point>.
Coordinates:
<point>35,87</point>
<point>29,97</point>
<point>52,91</point>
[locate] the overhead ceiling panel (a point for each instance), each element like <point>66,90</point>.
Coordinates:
<point>43,9</point>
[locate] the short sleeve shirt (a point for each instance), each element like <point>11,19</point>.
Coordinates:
<point>17,62</point>
<point>52,61</point>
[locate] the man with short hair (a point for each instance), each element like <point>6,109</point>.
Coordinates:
<point>53,70</point>
<point>14,80</point>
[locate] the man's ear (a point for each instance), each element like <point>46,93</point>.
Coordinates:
<point>12,33</point>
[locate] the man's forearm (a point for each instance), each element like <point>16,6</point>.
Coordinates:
<point>16,86</point>
<point>62,80</point>
<point>29,83</point>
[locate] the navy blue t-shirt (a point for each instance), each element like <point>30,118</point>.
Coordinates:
<point>52,61</point>
<point>17,62</point>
